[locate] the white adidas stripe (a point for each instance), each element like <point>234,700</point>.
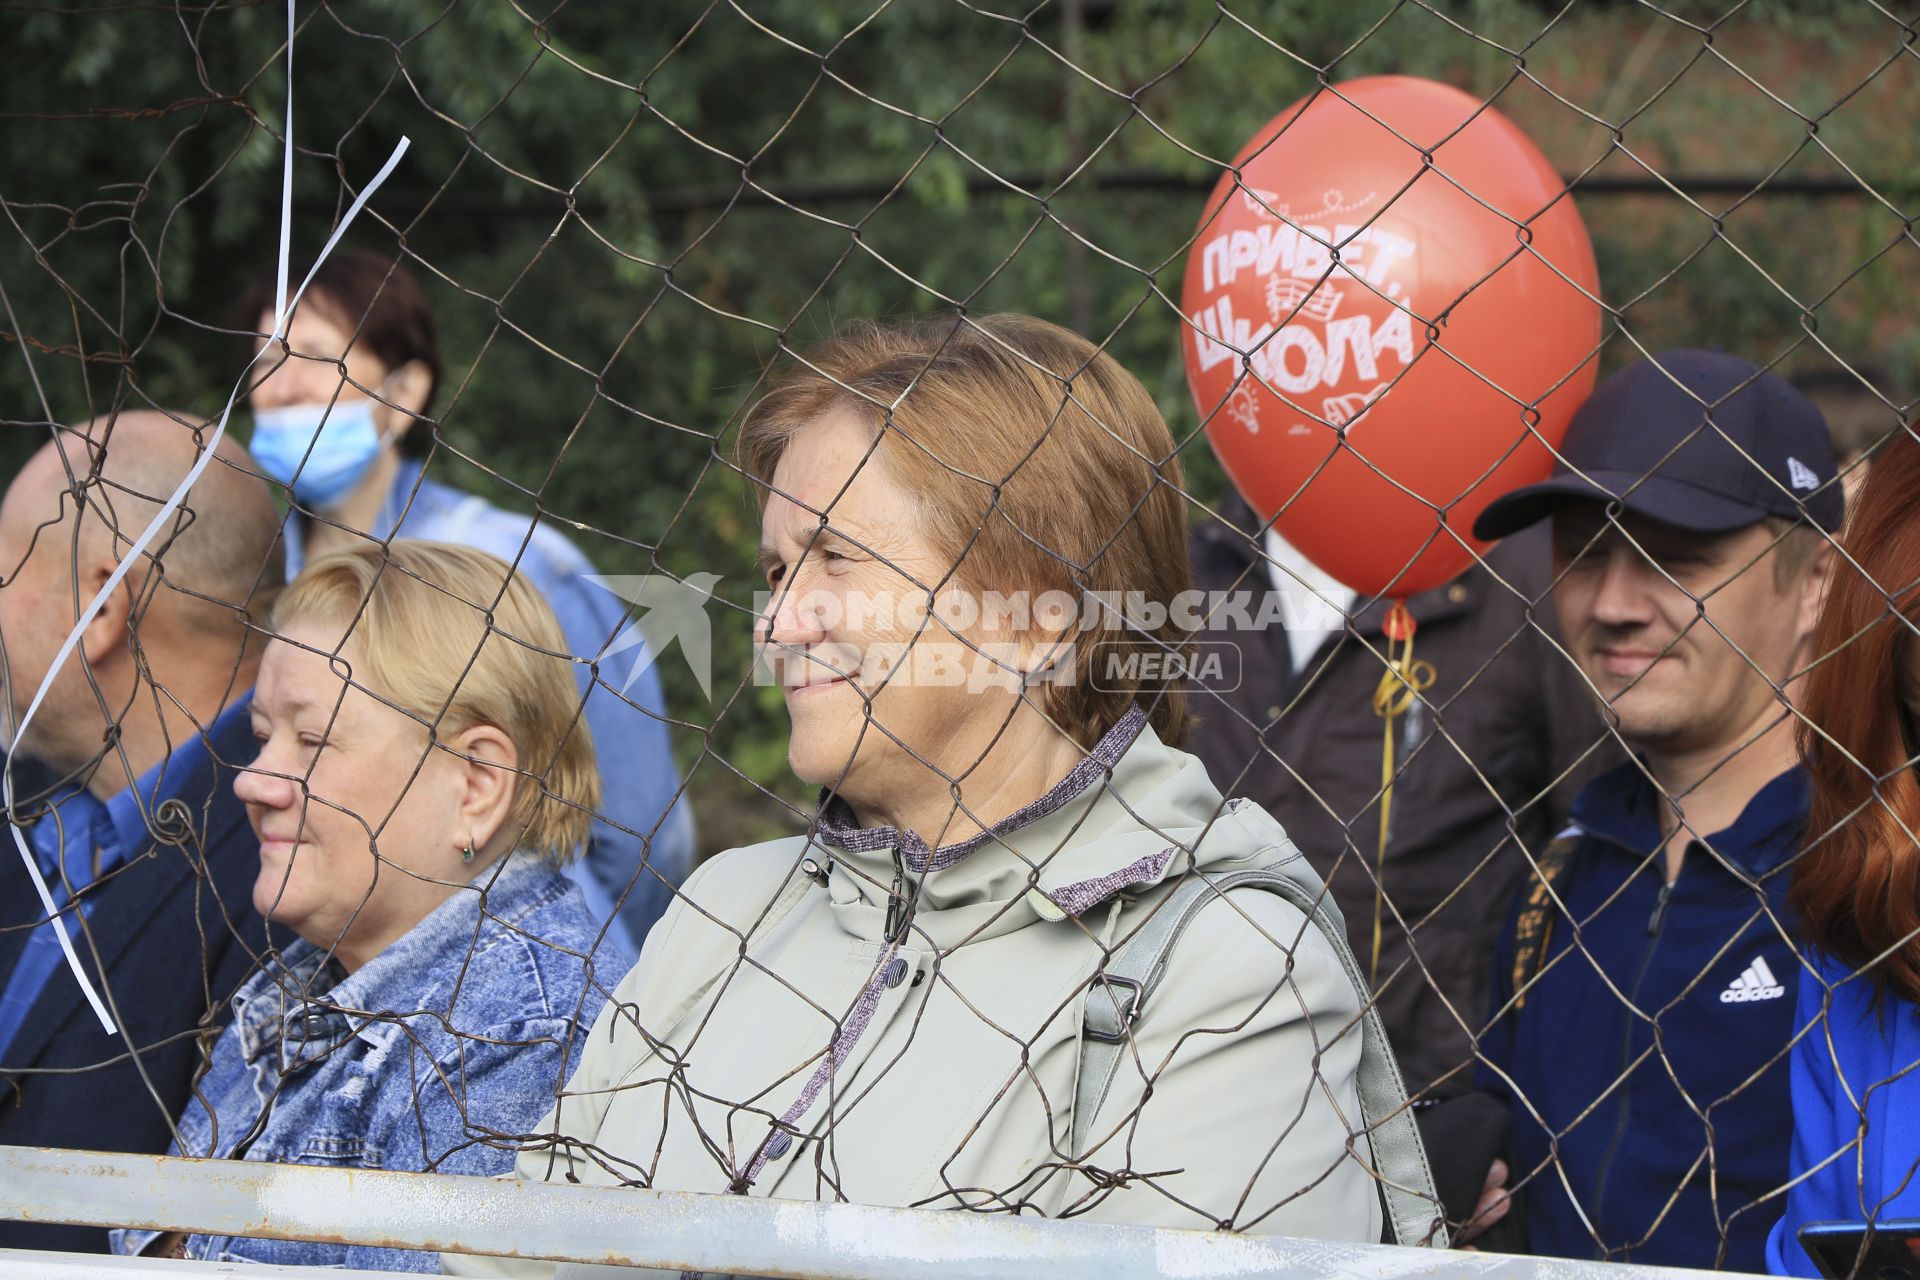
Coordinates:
<point>1756,982</point>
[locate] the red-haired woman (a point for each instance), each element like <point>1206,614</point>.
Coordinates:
<point>1856,1095</point>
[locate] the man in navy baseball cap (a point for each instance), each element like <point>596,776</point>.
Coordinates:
<point>1698,440</point>
<point>1644,989</point>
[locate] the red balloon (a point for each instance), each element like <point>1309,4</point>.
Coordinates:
<point>1370,335</point>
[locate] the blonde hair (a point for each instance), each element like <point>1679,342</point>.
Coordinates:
<point>454,638</point>
<point>1041,465</point>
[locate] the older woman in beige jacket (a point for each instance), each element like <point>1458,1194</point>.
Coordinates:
<point>1027,958</point>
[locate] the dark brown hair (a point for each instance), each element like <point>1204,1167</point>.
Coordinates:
<point>1043,466</point>
<point>378,299</point>
<point>1856,886</point>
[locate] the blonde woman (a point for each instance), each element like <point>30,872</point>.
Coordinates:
<point>340,421</point>
<point>422,776</point>
<point>1028,959</point>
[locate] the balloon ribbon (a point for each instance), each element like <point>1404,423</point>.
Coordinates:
<point>1403,681</point>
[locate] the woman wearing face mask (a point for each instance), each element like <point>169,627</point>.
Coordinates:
<point>1856,1089</point>
<point>340,421</point>
<point>412,822</point>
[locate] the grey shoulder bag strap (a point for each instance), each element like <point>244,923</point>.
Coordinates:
<point>1117,994</point>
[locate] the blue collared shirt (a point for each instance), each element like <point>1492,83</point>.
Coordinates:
<point>640,783</point>
<point>81,839</point>
<point>436,1055</point>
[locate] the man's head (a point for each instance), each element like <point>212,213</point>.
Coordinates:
<point>1689,515</point>
<point>171,644</point>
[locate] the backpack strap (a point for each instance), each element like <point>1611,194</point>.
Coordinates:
<point>1533,927</point>
<point>1122,987</point>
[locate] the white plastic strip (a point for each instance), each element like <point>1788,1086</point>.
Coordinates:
<point>282,311</point>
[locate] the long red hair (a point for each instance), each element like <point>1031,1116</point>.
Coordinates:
<point>1856,886</point>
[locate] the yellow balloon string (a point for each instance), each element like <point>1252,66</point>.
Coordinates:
<point>1402,681</point>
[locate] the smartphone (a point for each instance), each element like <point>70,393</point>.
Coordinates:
<point>1891,1249</point>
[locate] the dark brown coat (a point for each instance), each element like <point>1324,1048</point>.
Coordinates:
<point>1508,733</point>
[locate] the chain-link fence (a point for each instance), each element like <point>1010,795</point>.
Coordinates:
<point>1119,765</point>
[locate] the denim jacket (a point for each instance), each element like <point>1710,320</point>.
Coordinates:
<point>432,1056</point>
<point>642,841</point>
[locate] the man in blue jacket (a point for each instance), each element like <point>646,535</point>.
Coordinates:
<point>141,839</point>
<point>1644,989</point>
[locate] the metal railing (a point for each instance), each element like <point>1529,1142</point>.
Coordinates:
<point>31,1264</point>
<point>672,1231</point>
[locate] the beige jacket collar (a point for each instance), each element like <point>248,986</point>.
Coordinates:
<point>1061,856</point>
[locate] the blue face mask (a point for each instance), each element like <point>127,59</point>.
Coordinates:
<point>320,462</point>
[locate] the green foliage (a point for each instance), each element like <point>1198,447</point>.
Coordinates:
<point>584,200</point>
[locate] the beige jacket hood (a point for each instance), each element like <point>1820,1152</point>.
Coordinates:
<point>851,1015</point>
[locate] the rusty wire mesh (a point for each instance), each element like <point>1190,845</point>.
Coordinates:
<point>627,226</point>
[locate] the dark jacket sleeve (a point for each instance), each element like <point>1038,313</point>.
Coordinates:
<point>182,922</point>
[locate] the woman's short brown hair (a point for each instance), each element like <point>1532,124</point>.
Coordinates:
<point>1041,464</point>
<point>454,638</point>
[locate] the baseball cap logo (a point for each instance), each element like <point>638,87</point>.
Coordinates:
<point>1800,475</point>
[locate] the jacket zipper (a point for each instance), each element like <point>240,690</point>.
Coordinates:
<point>896,904</point>
<point>1659,915</point>
<point>1655,922</point>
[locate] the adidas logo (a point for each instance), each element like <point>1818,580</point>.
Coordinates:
<point>1757,983</point>
<point>1800,475</point>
